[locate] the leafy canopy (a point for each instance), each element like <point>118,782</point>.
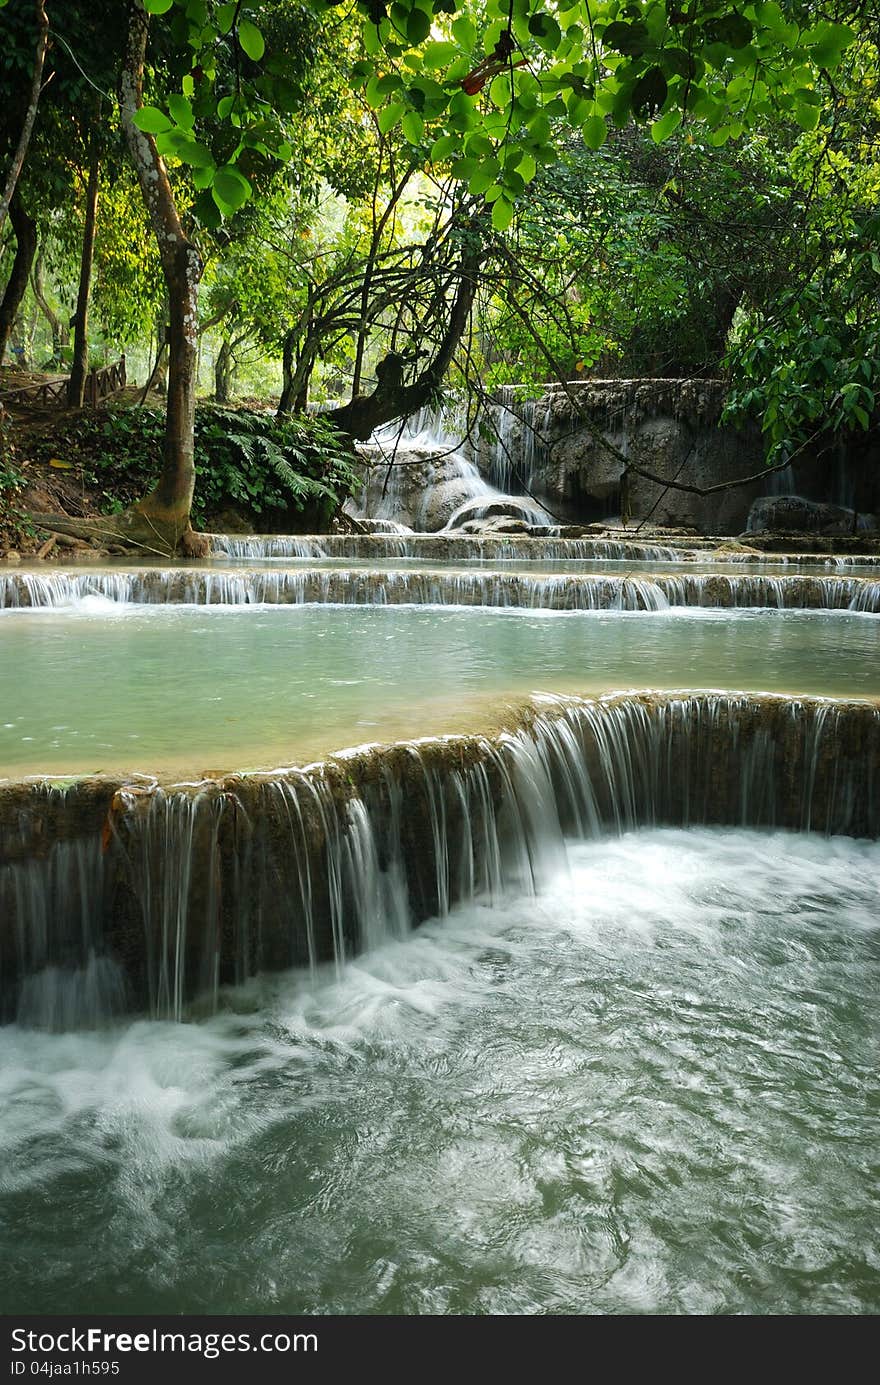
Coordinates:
<point>485,88</point>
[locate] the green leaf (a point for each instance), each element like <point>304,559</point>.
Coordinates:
<point>631,39</point>
<point>158,6</point>
<point>502,214</point>
<point>465,168</point>
<point>443,147</point>
<point>438,55</point>
<point>171,141</point>
<point>807,116</point>
<point>479,146</point>
<point>649,93</point>
<point>251,39</point>
<point>388,118</point>
<point>181,111</point>
<point>678,62</point>
<point>527,167</point>
<point>465,32</point>
<point>484,177</point>
<point>151,120</point>
<point>225,16</point>
<point>203,177</point>
<point>545,29</point>
<point>195,154</point>
<point>373,96</point>
<point>418,26</point>
<point>413,127</point>
<point>231,190</point>
<point>207,210</point>
<point>594,132</point>
<point>732,29</point>
<point>666,125</point>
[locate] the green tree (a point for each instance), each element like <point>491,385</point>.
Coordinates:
<point>487,96</point>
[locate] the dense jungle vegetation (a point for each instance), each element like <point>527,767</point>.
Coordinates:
<point>360,206</point>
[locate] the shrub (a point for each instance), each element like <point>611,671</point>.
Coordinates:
<point>243,458</point>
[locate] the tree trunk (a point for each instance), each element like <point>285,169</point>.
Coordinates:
<point>161,520</point>
<point>297,366</point>
<point>223,366</point>
<point>60,334</point>
<point>162,517</point>
<point>29,322</point>
<point>80,365</point>
<point>160,373</point>
<point>30,115</point>
<point>26,248</point>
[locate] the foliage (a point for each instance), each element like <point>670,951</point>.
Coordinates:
<point>243,458</point>
<point>490,94</point>
<point>687,166</point>
<point>485,90</point>
<point>814,363</point>
<point>633,259</point>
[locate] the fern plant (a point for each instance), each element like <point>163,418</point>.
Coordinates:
<point>243,457</point>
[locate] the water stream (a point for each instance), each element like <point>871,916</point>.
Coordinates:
<point>623,589</point>
<point>553,993</point>
<point>651,1089</point>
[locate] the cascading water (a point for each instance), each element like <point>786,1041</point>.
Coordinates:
<point>191,888</point>
<point>341,586</point>
<point>482,548</point>
<point>423,476</point>
<point>515,448</point>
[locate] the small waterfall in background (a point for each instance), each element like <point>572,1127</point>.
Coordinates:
<point>514,446</point>
<point>790,503</point>
<point>452,547</point>
<point>424,474</point>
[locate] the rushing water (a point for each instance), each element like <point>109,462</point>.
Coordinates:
<point>364,586</point>
<point>470,548</point>
<point>651,1089</point>
<point>110,686</point>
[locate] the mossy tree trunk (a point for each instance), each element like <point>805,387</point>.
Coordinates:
<point>223,367</point>
<point>162,517</point>
<point>160,522</point>
<point>80,366</point>
<point>25,229</point>
<point>60,332</point>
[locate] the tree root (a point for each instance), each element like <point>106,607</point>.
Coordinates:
<point>134,529</point>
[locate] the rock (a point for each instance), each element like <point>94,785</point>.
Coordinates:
<point>794,513</point>
<point>481,509</point>
<point>11,557</point>
<point>501,524</point>
<point>441,501</point>
<point>231,521</point>
<point>735,546</point>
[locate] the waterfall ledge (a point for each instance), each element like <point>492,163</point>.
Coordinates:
<point>147,896</point>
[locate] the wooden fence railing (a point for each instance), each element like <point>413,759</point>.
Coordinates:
<point>99,383</point>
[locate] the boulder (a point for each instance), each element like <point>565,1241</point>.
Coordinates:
<point>796,514</point>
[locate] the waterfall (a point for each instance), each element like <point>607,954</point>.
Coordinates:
<point>512,456</point>
<point>567,591</point>
<point>473,547</point>
<point>422,474</point>
<point>156,895</point>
